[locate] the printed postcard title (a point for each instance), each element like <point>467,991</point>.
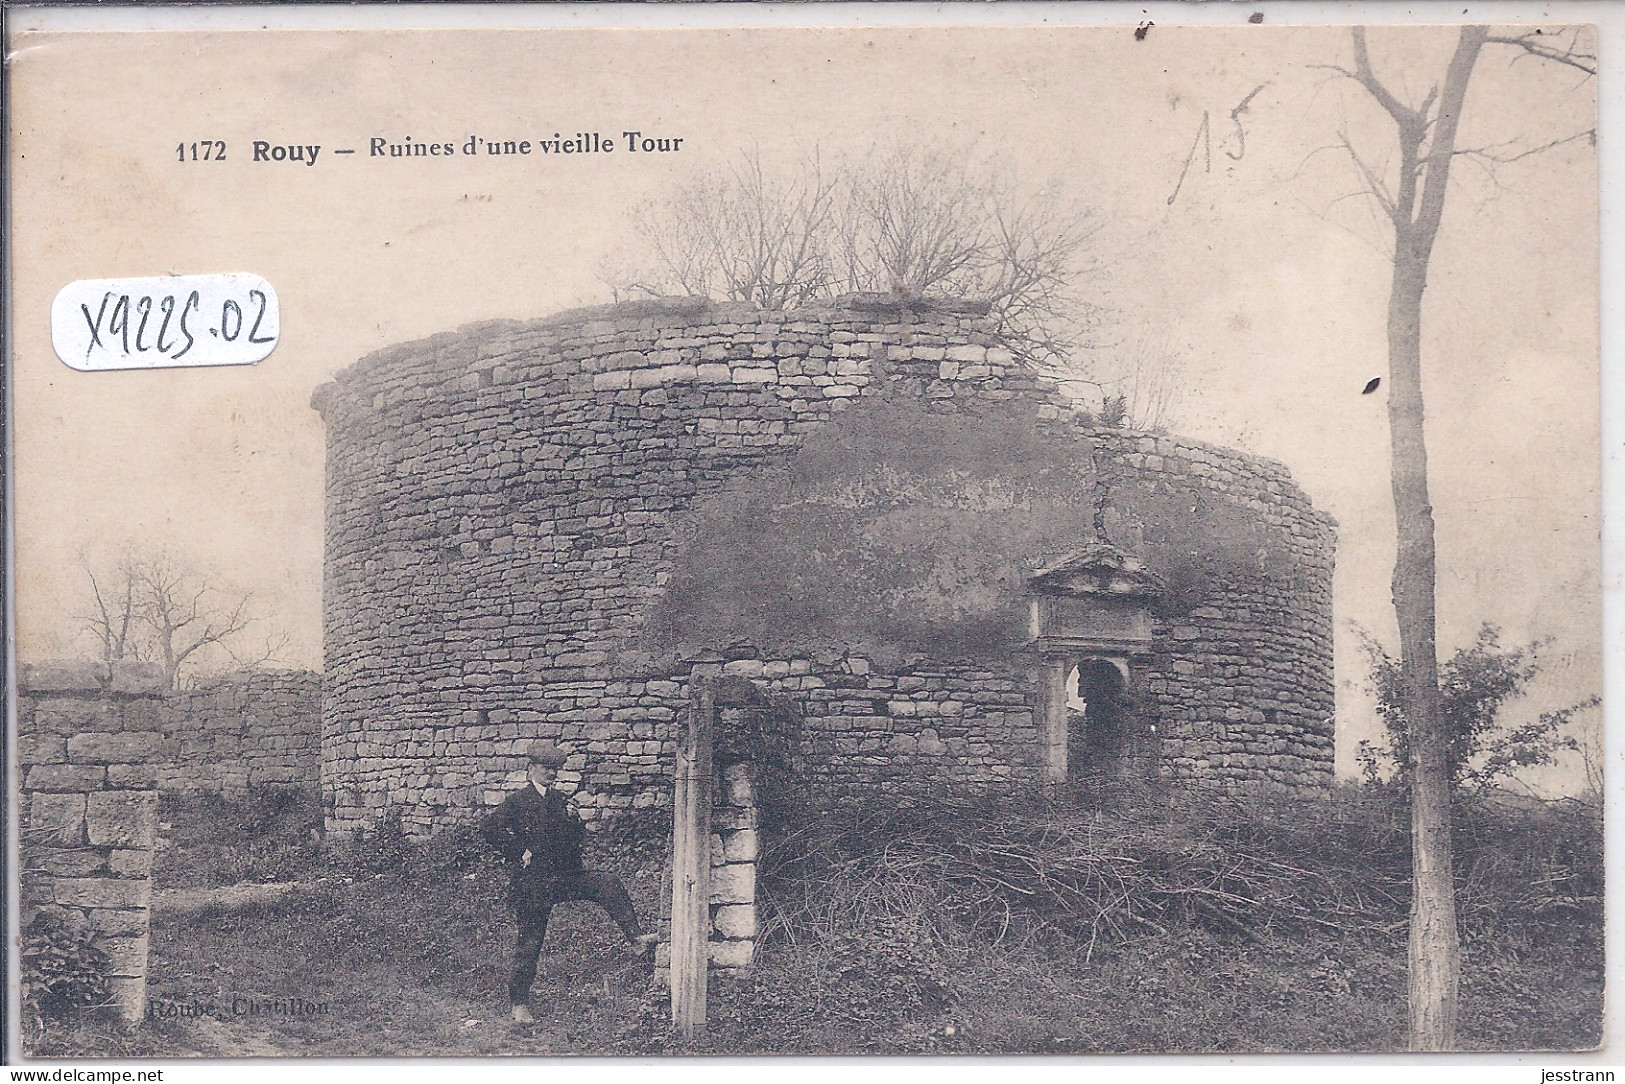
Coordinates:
<point>557,145</point>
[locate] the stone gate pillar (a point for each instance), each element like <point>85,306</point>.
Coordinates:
<point>734,845</point>
<point>86,750</point>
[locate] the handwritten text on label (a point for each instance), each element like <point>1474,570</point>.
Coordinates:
<point>174,320</point>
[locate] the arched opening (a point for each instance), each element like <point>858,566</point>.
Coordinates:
<point>1097,718</point>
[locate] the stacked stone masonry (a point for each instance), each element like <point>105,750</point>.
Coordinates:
<point>734,844</point>
<point>88,756</point>
<point>506,505</point>
<point>736,831</point>
<point>256,728</point>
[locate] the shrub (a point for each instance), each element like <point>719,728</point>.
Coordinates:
<point>1134,866</point>
<point>64,973</point>
<point>1474,685</point>
<point>380,848</point>
<point>274,809</point>
<point>455,850</point>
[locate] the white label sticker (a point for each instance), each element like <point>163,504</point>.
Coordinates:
<point>151,323</point>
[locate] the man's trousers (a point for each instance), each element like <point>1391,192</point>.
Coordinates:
<point>533,897</point>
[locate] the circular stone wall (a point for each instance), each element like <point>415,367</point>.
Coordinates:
<point>543,529</point>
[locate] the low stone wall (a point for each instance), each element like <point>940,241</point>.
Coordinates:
<point>250,729</point>
<point>87,753</point>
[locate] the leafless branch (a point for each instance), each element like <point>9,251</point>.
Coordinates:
<point>1363,75</point>
<point>1374,185</point>
<point>1494,153</point>
<point>1536,44</point>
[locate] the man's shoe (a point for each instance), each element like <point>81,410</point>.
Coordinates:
<point>522,1015</point>
<point>644,945</point>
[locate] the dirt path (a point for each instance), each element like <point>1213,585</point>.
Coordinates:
<point>187,901</point>
<point>222,1039</point>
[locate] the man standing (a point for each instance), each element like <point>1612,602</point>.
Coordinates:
<point>539,836</point>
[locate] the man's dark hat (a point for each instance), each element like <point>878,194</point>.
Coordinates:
<point>542,751</point>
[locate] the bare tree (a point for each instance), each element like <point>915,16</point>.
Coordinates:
<point>744,236</point>
<point>1411,199</point>
<point>1148,376</point>
<point>113,619</point>
<point>909,221</point>
<point>161,609</point>
<point>916,222</point>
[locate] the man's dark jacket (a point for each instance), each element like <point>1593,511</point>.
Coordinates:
<point>526,821</point>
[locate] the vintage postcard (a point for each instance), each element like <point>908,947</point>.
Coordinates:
<point>981,535</point>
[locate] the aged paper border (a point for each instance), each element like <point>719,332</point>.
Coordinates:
<point>1611,22</point>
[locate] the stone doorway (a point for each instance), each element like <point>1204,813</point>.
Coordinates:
<point>1088,725</point>
<point>1090,616</point>
<point>1097,720</point>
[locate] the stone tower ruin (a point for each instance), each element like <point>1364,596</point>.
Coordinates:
<point>958,582</point>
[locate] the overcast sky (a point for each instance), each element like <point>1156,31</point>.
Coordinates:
<point>1265,279</point>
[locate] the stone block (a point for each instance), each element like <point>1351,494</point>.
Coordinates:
<point>131,862</point>
<point>734,883</point>
<point>145,712</point>
<point>121,818</point>
<point>128,999</point>
<point>139,678</point>
<point>132,776</point>
<point>75,863</point>
<point>102,892</point>
<point>736,920</point>
<point>740,846</point>
<point>733,955</point>
<point>57,818</point>
<point>736,781</point>
<point>70,715</point>
<point>129,747</point>
<point>75,777</point>
<point>61,676</point>
<point>118,923</point>
<point>127,956</point>
<point>41,748</point>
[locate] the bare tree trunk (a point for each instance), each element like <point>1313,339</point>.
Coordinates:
<point>1434,950</point>
<point>1434,953</point>
<point>1427,144</point>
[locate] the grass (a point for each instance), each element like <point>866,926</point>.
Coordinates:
<point>1115,923</point>
<point>272,834</point>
